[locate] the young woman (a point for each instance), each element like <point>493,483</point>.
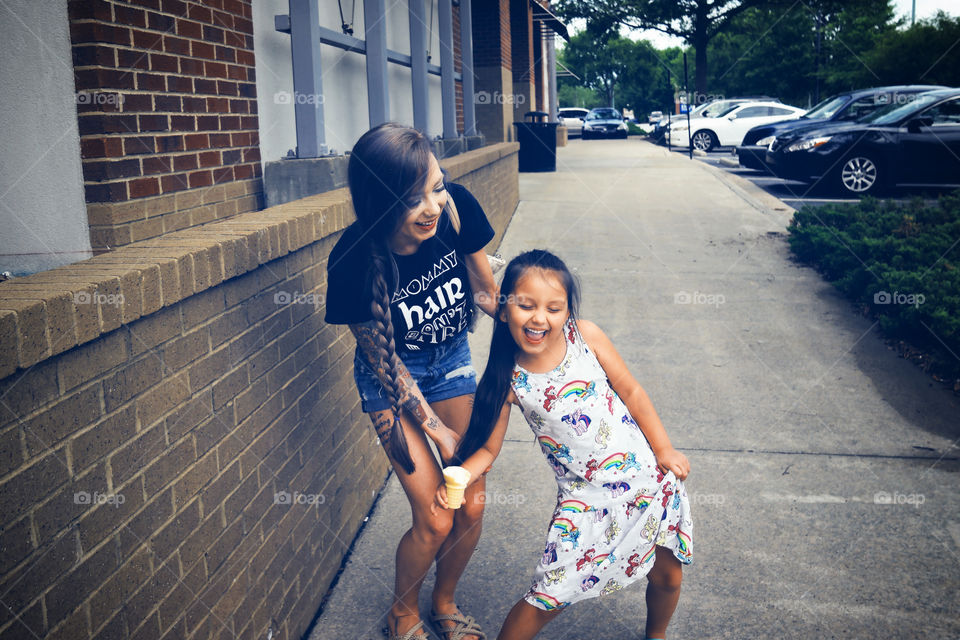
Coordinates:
<point>405,277</point>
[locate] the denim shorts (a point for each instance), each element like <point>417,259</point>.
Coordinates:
<point>440,373</point>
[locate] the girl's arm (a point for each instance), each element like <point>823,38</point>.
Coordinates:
<point>480,461</point>
<point>411,399</point>
<point>636,400</point>
<point>484,287</point>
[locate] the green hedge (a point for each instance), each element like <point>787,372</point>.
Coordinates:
<point>901,261</point>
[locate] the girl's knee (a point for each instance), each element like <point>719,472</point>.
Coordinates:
<point>667,572</point>
<point>471,511</point>
<point>434,529</point>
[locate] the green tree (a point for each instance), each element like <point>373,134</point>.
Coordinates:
<point>926,53</point>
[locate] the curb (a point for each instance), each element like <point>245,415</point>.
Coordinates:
<point>753,195</point>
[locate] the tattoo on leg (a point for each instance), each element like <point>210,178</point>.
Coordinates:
<point>433,424</point>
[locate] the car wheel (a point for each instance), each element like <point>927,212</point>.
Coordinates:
<point>703,140</point>
<point>859,175</point>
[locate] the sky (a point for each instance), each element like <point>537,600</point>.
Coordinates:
<point>925,9</point>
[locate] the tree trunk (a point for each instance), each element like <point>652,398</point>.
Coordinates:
<point>700,40</point>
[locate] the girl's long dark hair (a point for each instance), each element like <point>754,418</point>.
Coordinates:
<point>495,383</point>
<point>387,174</point>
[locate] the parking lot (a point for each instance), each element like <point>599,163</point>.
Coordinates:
<point>795,194</point>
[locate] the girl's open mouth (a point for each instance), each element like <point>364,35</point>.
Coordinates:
<point>534,337</point>
<point>426,226</point>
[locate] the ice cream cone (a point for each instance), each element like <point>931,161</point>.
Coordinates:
<point>456,479</point>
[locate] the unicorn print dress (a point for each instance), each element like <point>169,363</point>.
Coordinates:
<point>613,504</point>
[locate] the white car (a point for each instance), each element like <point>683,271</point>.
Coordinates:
<point>728,128</point>
<point>572,119</point>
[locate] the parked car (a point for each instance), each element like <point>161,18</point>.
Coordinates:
<point>572,119</point>
<point>709,109</point>
<point>728,127</point>
<point>654,117</point>
<point>604,122</point>
<point>913,144</point>
<point>843,107</point>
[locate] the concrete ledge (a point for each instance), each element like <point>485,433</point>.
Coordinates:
<point>47,313</point>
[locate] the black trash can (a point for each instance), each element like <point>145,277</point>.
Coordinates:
<point>538,142</point>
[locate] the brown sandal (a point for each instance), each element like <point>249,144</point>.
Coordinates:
<point>465,626</point>
<point>411,634</point>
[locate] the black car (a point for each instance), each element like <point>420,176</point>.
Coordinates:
<point>913,144</point>
<point>843,107</point>
<point>604,122</point>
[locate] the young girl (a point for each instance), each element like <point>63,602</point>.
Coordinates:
<point>404,278</point>
<point>622,511</point>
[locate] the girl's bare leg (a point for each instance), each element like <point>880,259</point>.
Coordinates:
<point>663,592</point>
<point>525,621</point>
<point>456,551</point>
<point>420,544</point>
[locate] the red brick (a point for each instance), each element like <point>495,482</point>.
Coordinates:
<point>218,105</point>
<point>236,72</point>
<point>227,88</point>
<point>182,123</point>
<point>144,187</point>
<point>220,140</point>
<point>147,40</point>
<point>208,123</point>
<point>202,50</point>
<point>235,40</point>
<point>98,32</point>
<point>176,7</point>
<point>193,104</point>
<point>209,159</point>
<point>191,67</point>
<point>168,64</point>
<point>169,143</point>
<point>212,34</point>
<point>248,122</point>
<point>150,4</point>
<point>160,22</point>
<point>168,103</point>
<point>205,86</point>
<point>177,182</point>
<point>252,154</point>
<point>157,164</point>
<point>137,102</point>
<point>215,70</point>
<point>90,10</point>
<point>129,16</point>
<point>109,192</point>
<point>223,175</point>
<point>150,81</point>
<point>189,29</point>
<point>230,122</point>
<point>200,179</point>
<point>134,59</point>
<point>185,162</point>
<point>196,141</point>
<point>239,106</point>
<point>179,84</point>
<point>153,123</point>
<point>245,57</point>
<point>101,79</point>
<point>232,157</point>
<point>243,172</point>
<point>244,25</point>
<point>94,55</point>
<point>138,144</point>
<point>200,14</point>
<point>222,19</point>
<point>175,45</point>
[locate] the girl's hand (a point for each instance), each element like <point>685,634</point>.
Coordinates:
<point>673,460</point>
<point>439,499</point>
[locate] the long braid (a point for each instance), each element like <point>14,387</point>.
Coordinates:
<point>389,362</point>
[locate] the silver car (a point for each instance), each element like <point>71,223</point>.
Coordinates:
<point>572,119</point>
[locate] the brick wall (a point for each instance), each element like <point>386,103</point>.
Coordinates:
<point>492,63</point>
<point>155,402</point>
<point>167,114</point>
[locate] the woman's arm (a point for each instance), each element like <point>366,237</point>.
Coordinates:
<point>484,287</point>
<point>635,398</point>
<point>411,399</point>
<point>481,460</point>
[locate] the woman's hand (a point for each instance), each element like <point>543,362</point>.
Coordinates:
<point>673,460</point>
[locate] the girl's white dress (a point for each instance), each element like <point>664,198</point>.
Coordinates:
<point>613,504</point>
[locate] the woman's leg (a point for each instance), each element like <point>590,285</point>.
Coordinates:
<point>525,621</point>
<point>663,592</point>
<point>456,551</point>
<point>420,544</point>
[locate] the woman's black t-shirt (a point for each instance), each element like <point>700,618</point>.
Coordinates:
<point>433,301</point>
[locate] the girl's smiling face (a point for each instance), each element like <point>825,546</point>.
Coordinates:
<point>535,313</point>
<point>420,222</point>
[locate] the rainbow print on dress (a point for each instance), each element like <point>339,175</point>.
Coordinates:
<point>548,602</point>
<point>577,388</point>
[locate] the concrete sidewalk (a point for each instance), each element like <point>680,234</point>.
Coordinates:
<point>800,424</point>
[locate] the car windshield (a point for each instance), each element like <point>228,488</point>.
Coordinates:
<point>826,109</point>
<point>603,114</point>
<point>897,111</point>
